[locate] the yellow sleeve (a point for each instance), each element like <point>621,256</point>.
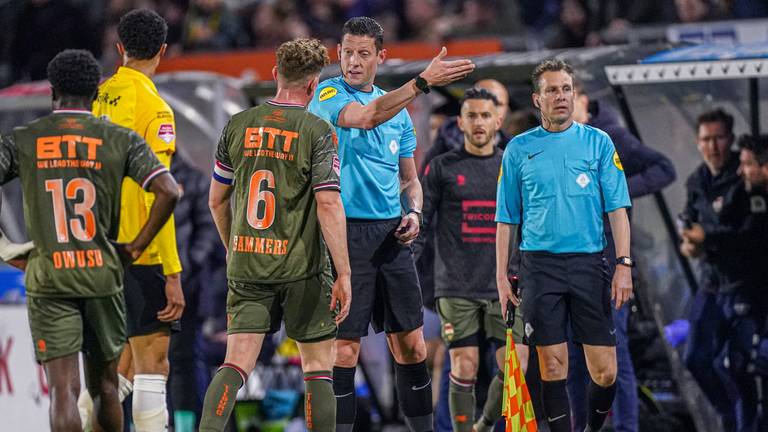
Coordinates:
<point>160,133</point>
<point>165,240</point>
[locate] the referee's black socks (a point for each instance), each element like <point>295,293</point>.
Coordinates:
<point>414,389</point>
<point>600,402</point>
<point>346,402</point>
<point>557,408</point>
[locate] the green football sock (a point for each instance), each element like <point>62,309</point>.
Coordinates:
<point>492,407</point>
<point>461,401</point>
<point>319,401</point>
<point>220,398</point>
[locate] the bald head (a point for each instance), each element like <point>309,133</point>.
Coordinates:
<point>500,91</point>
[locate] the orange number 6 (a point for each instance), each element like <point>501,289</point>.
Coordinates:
<point>256,195</point>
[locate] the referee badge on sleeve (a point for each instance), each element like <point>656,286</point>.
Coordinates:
<point>617,161</point>
<point>327,93</point>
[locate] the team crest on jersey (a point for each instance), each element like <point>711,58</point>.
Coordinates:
<point>617,161</point>
<point>166,133</point>
<point>327,93</point>
<point>757,204</point>
<point>717,204</point>
<point>448,331</point>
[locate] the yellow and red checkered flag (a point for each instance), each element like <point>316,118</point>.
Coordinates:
<point>517,407</point>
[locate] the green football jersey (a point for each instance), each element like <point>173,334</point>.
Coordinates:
<point>71,167</point>
<point>276,156</point>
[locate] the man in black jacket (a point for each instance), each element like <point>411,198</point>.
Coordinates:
<point>197,240</point>
<point>728,235</point>
<point>647,171</point>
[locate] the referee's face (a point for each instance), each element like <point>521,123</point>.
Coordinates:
<point>359,60</point>
<point>479,121</point>
<point>555,97</point>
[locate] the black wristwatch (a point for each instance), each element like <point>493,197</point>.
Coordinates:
<point>419,215</point>
<point>625,261</point>
<point>422,84</point>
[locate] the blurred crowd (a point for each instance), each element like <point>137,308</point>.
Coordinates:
<point>40,28</point>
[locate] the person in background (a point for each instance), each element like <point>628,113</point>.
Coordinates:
<point>647,172</point>
<point>731,278</point>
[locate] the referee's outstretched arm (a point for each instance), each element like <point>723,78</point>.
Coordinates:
<point>439,73</point>
<point>621,286</point>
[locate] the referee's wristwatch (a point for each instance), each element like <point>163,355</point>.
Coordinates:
<point>419,216</point>
<point>625,261</point>
<point>422,84</point>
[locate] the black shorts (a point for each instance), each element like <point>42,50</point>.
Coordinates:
<point>558,289</point>
<point>385,286</point>
<point>144,298</point>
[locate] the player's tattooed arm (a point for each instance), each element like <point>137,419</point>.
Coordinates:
<point>330,214</point>
<point>219,203</point>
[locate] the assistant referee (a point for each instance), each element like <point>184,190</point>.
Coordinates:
<point>557,180</point>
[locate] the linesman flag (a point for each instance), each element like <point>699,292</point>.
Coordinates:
<point>517,407</point>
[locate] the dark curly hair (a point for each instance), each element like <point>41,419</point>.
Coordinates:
<point>142,33</point>
<point>365,26</point>
<point>479,93</point>
<point>301,58</point>
<point>74,72</point>
<point>758,145</point>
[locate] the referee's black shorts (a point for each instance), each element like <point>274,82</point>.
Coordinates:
<point>385,286</point>
<point>144,298</point>
<point>559,289</point>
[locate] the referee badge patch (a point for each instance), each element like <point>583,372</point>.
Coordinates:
<point>166,133</point>
<point>327,93</point>
<point>617,161</point>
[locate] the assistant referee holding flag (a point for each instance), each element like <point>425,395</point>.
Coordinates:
<point>557,180</point>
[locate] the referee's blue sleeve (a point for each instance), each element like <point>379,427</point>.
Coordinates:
<point>613,183</point>
<point>408,138</point>
<point>508,192</point>
<point>328,102</point>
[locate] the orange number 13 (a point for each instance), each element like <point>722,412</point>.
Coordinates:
<point>82,229</point>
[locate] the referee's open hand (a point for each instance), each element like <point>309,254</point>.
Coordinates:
<point>621,287</point>
<point>441,72</point>
<point>341,295</point>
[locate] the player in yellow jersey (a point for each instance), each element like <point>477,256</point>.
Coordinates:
<point>154,299</point>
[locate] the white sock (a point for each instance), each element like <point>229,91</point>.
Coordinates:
<point>150,413</point>
<point>85,402</point>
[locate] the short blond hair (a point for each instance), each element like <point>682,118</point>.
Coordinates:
<point>299,59</point>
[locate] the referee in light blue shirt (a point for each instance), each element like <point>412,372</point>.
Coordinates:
<point>376,145</point>
<point>556,181</point>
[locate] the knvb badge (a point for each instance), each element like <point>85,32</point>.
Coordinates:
<point>166,133</point>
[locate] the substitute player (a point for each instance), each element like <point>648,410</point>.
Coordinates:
<point>376,145</point>
<point>459,202</point>
<point>280,163</point>
<point>154,300</point>
<point>557,180</point>
<point>71,166</point>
